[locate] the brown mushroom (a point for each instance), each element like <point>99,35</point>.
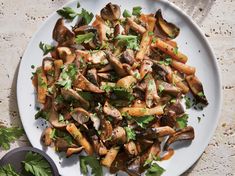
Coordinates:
<point>66,55</point>
<point>82,83</point>
<point>62,34</point>
<point>197,88</point>
<point>106,130</point>
<point>160,70</point>
<point>105,76</point>
<point>111,12</point>
<point>118,30</point>
<point>128,57</point>
<point>71,151</point>
<point>61,145</point>
<point>99,146</point>
<point>133,167</point>
<point>186,133</point>
<point>46,136</point>
<point>54,119</point>
<point>136,27</point>
<point>116,64</point>
<point>151,95</point>
<point>70,93</point>
<point>169,88</point>
<point>47,64</point>
<point>131,148</point>
<point>112,111</point>
<point>80,115</point>
<point>146,67</point>
<point>118,136</point>
<point>155,132</point>
<point>106,68</point>
<point>126,82</point>
<point>165,29</point>
<point>110,156</point>
<point>92,76</point>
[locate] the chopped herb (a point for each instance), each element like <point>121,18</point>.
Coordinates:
<point>130,133</point>
<point>67,12</point>
<point>93,162</point>
<point>130,41</point>
<point>51,90</point>
<point>173,100</point>
<point>155,170</point>
<point>86,16</point>
<point>41,82</point>
<point>78,5</point>
<point>46,48</point>
<point>136,11</point>
<point>8,170</point>
<point>154,40</point>
<point>125,114</point>
<point>84,38</point>
<point>37,165</point>
<point>168,61</point>
<point>8,135</point>
<point>32,66</point>
<point>150,33</point>
<point>61,118</point>
<point>200,94</point>
<point>52,135</point>
<point>86,95</point>
<point>175,50</point>
<point>144,120</point>
<point>199,119</point>
<point>126,13</point>
<point>160,88</point>
<point>182,121</point>
<point>188,103</point>
<point>42,114</point>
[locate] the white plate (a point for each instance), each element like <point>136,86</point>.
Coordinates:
<point>191,42</point>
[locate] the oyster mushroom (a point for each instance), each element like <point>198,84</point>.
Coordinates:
<point>186,133</point>
<point>46,136</point>
<point>54,119</point>
<point>62,145</point>
<point>106,130</point>
<point>80,115</point>
<point>112,111</point>
<point>111,12</point>
<point>146,67</point>
<point>110,156</point>
<point>92,76</point>
<point>66,55</point>
<point>169,88</point>
<point>155,132</point>
<point>136,27</point>
<point>47,64</point>
<point>131,148</point>
<point>118,136</point>
<point>71,151</point>
<point>62,34</point>
<point>99,146</point>
<point>128,57</point>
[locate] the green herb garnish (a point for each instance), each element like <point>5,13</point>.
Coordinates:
<point>182,121</point>
<point>8,170</point>
<point>155,170</point>
<point>136,11</point>
<point>46,48</point>
<point>93,162</point>
<point>126,13</point>
<point>84,38</point>
<point>130,133</point>
<point>130,41</point>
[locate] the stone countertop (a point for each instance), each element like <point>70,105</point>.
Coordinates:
<point>20,19</point>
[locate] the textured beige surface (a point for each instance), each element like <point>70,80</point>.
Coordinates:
<point>19,19</point>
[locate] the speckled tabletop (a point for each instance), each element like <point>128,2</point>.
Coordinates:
<point>20,19</point>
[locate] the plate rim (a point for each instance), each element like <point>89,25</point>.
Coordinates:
<point>210,52</point>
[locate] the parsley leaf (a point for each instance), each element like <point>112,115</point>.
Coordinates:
<point>136,11</point>
<point>36,164</point>
<point>130,41</point>
<point>200,94</point>
<point>67,76</point>
<point>182,121</point>
<point>86,17</point>
<point>161,88</point>
<point>188,103</point>
<point>8,135</point>
<point>155,170</point>
<point>123,93</point>
<point>175,50</point>
<point>78,5</point>
<point>144,120</point>
<point>42,114</point>
<point>84,38</point>
<point>8,170</point>
<point>93,162</point>
<point>126,14</point>
<point>130,134</point>
<point>46,48</point>
<point>67,12</point>
<point>150,33</point>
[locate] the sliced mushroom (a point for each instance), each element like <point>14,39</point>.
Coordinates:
<point>98,58</point>
<point>136,27</point>
<point>70,93</point>
<point>92,76</point>
<point>186,133</point>
<point>106,68</point>
<point>169,88</point>
<point>133,167</point>
<point>63,35</point>
<point>106,130</point>
<point>128,57</point>
<point>62,145</point>
<point>151,153</point>
<point>47,64</point>
<point>112,111</point>
<point>118,30</point>
<point>155,132</point>
<point>137,112</point>
<point>117,65</point>
<point>66,55</point>
<point>146,67</point>
<point>54,119</point>
<point>111,12</point>
<point>151,95</point>
<point>131,148</point>
<point>46,136</point>
<point>99,146</point>
<point>82,83</point>
<point>95,120</point>
<point>174,109</point>
<point>110,156</point>
<point>118,136</point>
<point>160,70</point>
<point>165,29</point>
<point>71,151</point>
<point>197,88</point>
<point>80,115</point>
<point>105,76</point>
<point>127,82</point>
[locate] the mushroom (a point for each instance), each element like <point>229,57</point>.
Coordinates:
<point>131,148</point>
<point>118,30</point>
<point>111,12</point>
<point>105,76</point>
<point>117,65</point>
<point>165,29</point>
<point>82,83</point>
<point>128,57</point>
<point>92,76</point>
<point>80,115</point>
<point>66,55</point>
<point>133,167</point>
<point>197,88</point>
<point>95,120</point>
<point>134,26</point>
<point>99,146</point>
<point>155,132</point>
<point>110,156</point>
<point>126,82</point>
<point>98,58</point>
<point>54,119</point>
<point>62,35</point>
<point>46,136</point>
<point>151,95</point>
<point>160,70</point>
<point>186,133</point>
<point>169,88</point>
<point>70,93</point>
<point>61,145</point>
<point>151,153</point>
<point>146,67</point>
<point>112,111</point>
<point>174,109</point>
<point>106,129</point>
<point>71,151</point>
<point>47,64</point>
<point>106,68</point>
<point>118,136</point>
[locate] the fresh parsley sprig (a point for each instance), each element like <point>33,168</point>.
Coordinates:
<point>130,41</point>
<point>8,170</point>
<point>46,48</point>
<point>155,170</point>
<point>93,162</point>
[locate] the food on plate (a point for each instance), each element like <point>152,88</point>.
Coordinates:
<point>114,89</point>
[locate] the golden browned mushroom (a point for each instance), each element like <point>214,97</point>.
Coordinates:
<point>46,136</point>
<point>131,148</point>
<point>146,67</point>
<point>92,76</point>
<point>62,34</point>
<point>66,55</point>
<point>70,93</point>
<point>136,27</point>
<point>47,64</point>
<point>61,145</point>
<point>54,119</point>
<point>80,115</point>
<point>197,88</point>
<point>128,57</point>
<point>110,156</point>
<point>127,82</point>
<point>151,95</point>
<point>155,132</point>
<point>99,146</point>
<point>169,88</point>
<point>111,12</point>
<point>112,111</point>
<point>116,64</point>
<point>186,133</point>
<point>106,130</point>
<point>82,83</point>
<point>71,151</point>
<point>118,135</point>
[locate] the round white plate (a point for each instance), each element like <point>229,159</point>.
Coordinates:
<point>191,42</point>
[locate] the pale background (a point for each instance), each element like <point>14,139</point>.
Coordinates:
<point>19,19</point>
